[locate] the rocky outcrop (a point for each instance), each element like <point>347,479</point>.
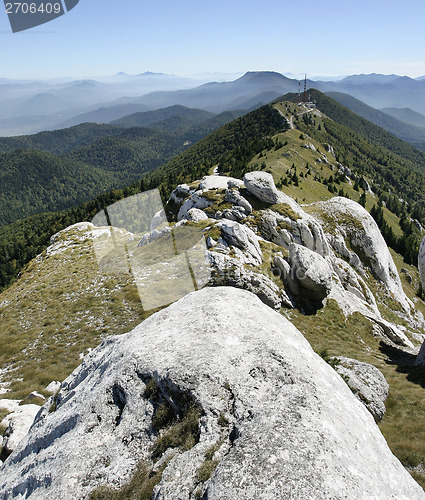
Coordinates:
<point>17,423</point>
<point>366,382</point>
<point>262,186</point>
<point>347,221</point>
<point>283,422</point>
<point>228,271</point>
<point>187,198</point>
<point>302,229</point>
<point>336,242</point>
<point>240,236</point>
<point>313,274</point>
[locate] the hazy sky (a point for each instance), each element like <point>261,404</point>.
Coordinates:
<point>327,37</point>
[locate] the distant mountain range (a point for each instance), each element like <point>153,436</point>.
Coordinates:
<point>31,106</point>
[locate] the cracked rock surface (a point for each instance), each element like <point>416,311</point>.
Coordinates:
<point>283,421</point>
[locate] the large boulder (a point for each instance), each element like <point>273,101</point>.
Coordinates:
<point>304,230</point>
<point>219,182</point>
<point>242,237</point>
<point>229,271</point>
<point>17,423</point>
<point>313,273</point>
<point>347,219</point>
<point>367,384</point>
<point>262,186</point>
<point>283,422</point>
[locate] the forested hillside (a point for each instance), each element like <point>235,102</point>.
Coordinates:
<point>22,240</point>
<point>412,134</point>
<point>54,170</point>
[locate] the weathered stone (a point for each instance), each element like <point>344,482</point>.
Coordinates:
<point>286,274</point>
<point>196,200</point>
<point>181,192</point>
<point>292,428</point>
<point>17,422</point>
<point>235,213</point>
<point>219,182</point>
<point>196,215</point>
<point>53,387</point>
<point>158,219</point>
<point>242,237</point>
<point>235,198</point>
<point>261,185</point>
<point>352,221</point>
<point>229,271</point>
<point>366,382</point>
<point>312,272</point>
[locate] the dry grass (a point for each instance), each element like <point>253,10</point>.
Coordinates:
<point>141,485</point>
<point>60,307</point>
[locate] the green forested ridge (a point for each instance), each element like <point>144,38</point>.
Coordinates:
<point>62,168</point>
<point>414,135</point>
<point>231,148</point>
<point>366,129</point>
<point>396,168</point>
<point>22,240</point>
<point>159,118</point>
<point>33,181</point>
<point>62,141</point>
<point>131,153</point>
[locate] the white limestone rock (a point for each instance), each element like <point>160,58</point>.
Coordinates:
<point>366,382</point>
<point>304,230</point>
<point>234,197</point>
<point>158,219</point>
<point>262,186</point>
<point>294,427</point>
<point>159,233</point>
<point>312,272</point>
<point>353,283</point>
<point>53,387</point>
<point>195,200</point>
<point>235,213</point>
<point>244,238</point>
<point>229,271</point>
<point>365,236</point>
<point>196,215</point>
<point>219,182</point>
<point>17,423</point>
<point>181,192</point>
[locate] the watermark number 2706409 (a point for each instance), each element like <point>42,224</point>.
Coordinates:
<point>28,14</point>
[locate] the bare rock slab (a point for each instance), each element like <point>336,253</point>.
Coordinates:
<point>292,428</point>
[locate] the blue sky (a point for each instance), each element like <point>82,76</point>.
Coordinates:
<point>330,37</point>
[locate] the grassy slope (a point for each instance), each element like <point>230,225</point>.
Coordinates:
<point>61,306</point>
<point>413,134</point>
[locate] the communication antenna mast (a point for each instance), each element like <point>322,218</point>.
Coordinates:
<point>305,87</point>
